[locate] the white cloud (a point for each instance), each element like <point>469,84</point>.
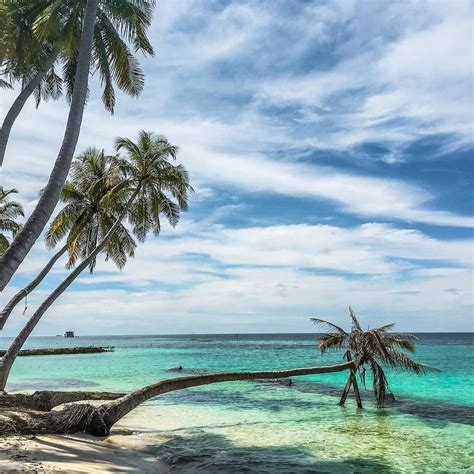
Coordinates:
<point>271,278</point>
<point>208,151</point>
<point>423,78</point>
<point>266,300</point>
<point>414,63</point>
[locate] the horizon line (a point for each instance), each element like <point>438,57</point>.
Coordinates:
<point>228,334</point>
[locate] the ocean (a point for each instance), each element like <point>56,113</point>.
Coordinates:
<point>267,426</point>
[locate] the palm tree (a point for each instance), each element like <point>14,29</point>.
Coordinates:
<point>91,206</point>
<point>373,349</point>
<point>44,35</point>
<point>45,207</point>
<point>98,420</point>
<point>152,186</point>
<point>9,212</point>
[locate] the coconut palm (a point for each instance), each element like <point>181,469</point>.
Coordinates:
<point>373,350</point>
<point>9,213</point>
<point>161,186</point>
<point>151,186</point>
<point>93,203</point>
<point>91,207</point>
<point>45,207</point>
<point>43,36</point>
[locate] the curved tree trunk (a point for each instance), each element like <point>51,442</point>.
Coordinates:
<point>5,314</point>
<point>8,359</point>
<point>98,420</point>
<point>20,101</point>
<point>46,400</point>
<point>33,227</point>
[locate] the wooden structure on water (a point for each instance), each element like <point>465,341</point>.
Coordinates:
<point>63,351</point>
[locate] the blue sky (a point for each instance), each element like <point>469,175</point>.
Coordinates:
<point>330,145</point>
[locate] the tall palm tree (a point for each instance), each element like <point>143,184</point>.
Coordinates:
<point>45,207</point>
<point>373,349</point>
<point>92,203</point>
<point>42,36</point>
<point>9,213</point>
<point>152,186</point>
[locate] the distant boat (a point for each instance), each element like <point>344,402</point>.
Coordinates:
<point>69,334</point>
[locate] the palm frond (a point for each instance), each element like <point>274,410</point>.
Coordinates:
<point>330,341</point>
<point>375,348</point>
<point>355,321</point>
<point>330,327</point>
<point>380,383</point>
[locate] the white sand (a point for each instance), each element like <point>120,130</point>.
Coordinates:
<point>78,454</point>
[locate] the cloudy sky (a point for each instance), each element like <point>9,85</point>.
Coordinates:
<point>330,145</point>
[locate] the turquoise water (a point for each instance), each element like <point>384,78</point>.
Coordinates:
<point>269,427</point>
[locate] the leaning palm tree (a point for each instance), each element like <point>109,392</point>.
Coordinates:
<point>98,420</point>
<point>43,36</point>
<point>91,207</point>
<point>372,350</point>
<point>151,186</point>
<point>9,213</point>
<point>32,229</point>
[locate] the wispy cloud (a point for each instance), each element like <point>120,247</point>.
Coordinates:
<point>315,102</point>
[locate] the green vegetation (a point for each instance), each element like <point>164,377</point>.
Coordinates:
<point>47,21</point>
<point>139,187</point>
<point>371,350</point>
<point>9,213</point>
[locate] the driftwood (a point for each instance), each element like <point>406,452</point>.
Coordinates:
<point>98,420</point>
<point>62,351</point>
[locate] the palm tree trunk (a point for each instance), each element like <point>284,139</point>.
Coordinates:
<point>98,420</point>
<point>352,380</point>
<point>345,392</point>
<point>5,314</point>
<point>33,227</point>
<point>46,400</point>
<point>6,362</point>
<point>110,413</point>
<point>21,99</point>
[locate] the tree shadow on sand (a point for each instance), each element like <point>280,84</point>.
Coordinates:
<point>81,453</point>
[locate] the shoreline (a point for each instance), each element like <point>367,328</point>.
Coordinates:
<point>79,453</point>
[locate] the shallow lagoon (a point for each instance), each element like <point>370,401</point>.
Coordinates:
<point>267,427</point>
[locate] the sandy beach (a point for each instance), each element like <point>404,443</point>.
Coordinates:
<point>78,454</point>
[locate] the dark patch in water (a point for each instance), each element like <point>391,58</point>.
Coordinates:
<point>212,453</point>
<point>434,411</point>
<point>431,410</point>
<point>50,384</point>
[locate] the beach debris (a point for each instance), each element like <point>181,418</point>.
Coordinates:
<point>179,368</point>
